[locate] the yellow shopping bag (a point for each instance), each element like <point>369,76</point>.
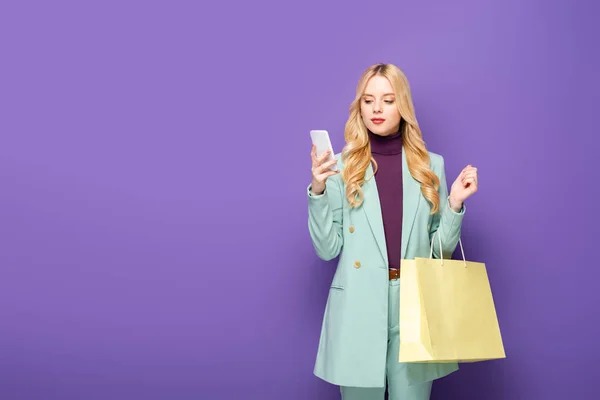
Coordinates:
<point>447,311</point>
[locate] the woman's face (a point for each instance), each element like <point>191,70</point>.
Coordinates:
<point>378,107</point>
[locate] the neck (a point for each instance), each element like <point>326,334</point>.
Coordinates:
<point>391,144</point>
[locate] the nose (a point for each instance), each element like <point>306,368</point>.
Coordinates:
<point>377,107</point>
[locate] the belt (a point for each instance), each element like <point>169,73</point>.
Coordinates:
<point>394,273</point>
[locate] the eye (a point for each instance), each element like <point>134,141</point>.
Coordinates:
<point>389,101</point>
<point>368,101</point>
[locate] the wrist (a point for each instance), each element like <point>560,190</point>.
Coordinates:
<point>454,204</point>
<point>317,189</point>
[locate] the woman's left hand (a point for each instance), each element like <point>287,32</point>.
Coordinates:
<point>463,187</point>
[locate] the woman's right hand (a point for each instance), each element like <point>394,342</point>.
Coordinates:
<point>320,171</point>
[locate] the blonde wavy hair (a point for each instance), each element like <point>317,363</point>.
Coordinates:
<point>356,154</point>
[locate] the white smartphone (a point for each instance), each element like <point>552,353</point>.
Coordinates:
<point>321,139</point>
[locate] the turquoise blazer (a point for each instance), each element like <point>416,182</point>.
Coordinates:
<point>353,342</point>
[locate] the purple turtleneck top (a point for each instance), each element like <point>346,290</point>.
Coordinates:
<point>387,151</point>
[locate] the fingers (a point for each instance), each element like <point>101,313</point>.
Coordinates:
<point>467,181</point>
<point>329,163</point>
<point>317,161</point>
<point>468,169</point>
<point>323,157</point>
<point>325,166</point>
<point>472,175</point>
<point>320,167</point>
<point>468,172</point>
<point>468,177</point>
<point>470,183</point>
<point>323,177</point>
<point>322,172</point>
<point>320,161</point>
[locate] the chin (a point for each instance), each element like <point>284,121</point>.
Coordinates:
<point>380,130</point>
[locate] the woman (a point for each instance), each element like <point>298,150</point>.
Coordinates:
<point>385,202</point>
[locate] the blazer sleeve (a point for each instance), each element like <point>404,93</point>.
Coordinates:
<point>325,214</point>
<point>446,222</point>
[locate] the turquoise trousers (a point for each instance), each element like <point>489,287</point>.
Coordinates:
<point>397,384</point>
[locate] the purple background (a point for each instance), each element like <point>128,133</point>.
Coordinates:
<point>154,159</point>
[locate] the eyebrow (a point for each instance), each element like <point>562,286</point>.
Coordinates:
<point>370,95</point>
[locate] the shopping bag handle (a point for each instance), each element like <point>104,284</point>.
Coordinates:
<point>441,252</point>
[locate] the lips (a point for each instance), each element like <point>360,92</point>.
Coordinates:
<point>377,121</point>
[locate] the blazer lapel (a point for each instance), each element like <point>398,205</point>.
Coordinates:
<point>372,209</point>
<point>410,203</point>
